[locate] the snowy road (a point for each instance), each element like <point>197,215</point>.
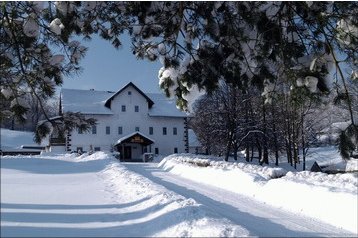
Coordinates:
<point>65,195</point>
<point>258,218</point>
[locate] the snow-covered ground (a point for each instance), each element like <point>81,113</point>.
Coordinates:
<point>327,197</point>
<point>64,195</point>
<point>13,140</point>
<point>95,195</point>
<point>183,195</point>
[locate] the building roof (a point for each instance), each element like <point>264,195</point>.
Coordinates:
<point>85,101</point>
<point>98,102</point>
<point>164,107</point>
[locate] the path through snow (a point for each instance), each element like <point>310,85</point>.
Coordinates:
<point>258,218</point>
<point>98,196</point>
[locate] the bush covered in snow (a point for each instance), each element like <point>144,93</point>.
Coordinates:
<point>267,172</point>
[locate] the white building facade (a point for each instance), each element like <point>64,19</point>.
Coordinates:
<point>128,121</point>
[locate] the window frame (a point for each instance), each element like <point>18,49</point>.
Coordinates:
<point>108,130</point>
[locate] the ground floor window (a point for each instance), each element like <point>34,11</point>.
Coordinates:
<point>175,150</point>
<point>156,151</point>
<point>97,148</point>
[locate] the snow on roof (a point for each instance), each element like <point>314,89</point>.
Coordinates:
<point>85,101</point>
<point>193,140</point>
<point>120,140</point>
<point>93,102</point>
<point>164,107</point>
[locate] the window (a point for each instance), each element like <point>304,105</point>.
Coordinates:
<point>156,151</point>
<point>150,130</point>
<point>108,130</point>
<point>79,150</point>
<point>175,131</point>
<point>120,130</point>
<point>136,108</point>
<point>175,150</point>
<point>123,108</point>
<point>137,128</point>
<point>97,148</point>
<point>94,129</point>
<point>80,131</point>
<point>164,130</point>
<point>129,92</point>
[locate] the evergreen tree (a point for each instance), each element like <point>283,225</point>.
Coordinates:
<point>198,43</point>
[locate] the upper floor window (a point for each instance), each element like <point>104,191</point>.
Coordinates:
<point>129,92</point>
<point>164,130</point>
<point>137,128</point>
<point>108,130</point>
<point>94,129</point>
<point>151,130</point>
<point>175,131</point>
<point>79,131</point>
<point>136,108</point>
<point>123,108</point>
<point>120,130</point>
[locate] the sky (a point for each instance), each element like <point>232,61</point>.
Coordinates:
<point>105,68</point>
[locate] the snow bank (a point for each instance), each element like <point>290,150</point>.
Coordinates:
<point>327,197</point>
<point>330,198</point>
<point>222,174</point>
<point>183,217</point>
<point>352,165</point>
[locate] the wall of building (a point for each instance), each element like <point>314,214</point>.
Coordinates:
<point>129,120</point>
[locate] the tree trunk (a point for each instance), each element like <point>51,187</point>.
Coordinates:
<point>247,153</point>
<point>265,155</point>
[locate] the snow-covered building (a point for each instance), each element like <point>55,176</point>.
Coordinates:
<point>128,121</point>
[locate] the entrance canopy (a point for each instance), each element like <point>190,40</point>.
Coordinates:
<point>135,137</point>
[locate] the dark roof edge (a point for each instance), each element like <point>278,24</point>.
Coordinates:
<point>109,100</point>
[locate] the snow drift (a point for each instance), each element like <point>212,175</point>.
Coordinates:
<point>330,198</point>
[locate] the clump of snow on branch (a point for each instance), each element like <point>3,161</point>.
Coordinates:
<point>57,60</point>
<point>19,101</point>
<point>31,28</point>
<point>56,26</point>
<point>269,89</point>
<point>193,94</point>
<point>6,92</point>
<point>345,31</point>
<point>64,7</point>
<point>311,83</point>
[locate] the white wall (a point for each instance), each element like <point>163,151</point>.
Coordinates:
<point>128,120</point>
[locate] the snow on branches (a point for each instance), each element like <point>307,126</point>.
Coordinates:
<point>198,43</point>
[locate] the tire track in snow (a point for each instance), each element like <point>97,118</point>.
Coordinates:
<point>260,219</point>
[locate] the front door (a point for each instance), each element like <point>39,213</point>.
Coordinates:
<point>127,152</point>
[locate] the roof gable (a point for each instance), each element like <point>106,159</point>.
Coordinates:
<point>135,137</point>
<point>109,100</point>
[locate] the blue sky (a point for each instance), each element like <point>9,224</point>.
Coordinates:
<point>105,68</point>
